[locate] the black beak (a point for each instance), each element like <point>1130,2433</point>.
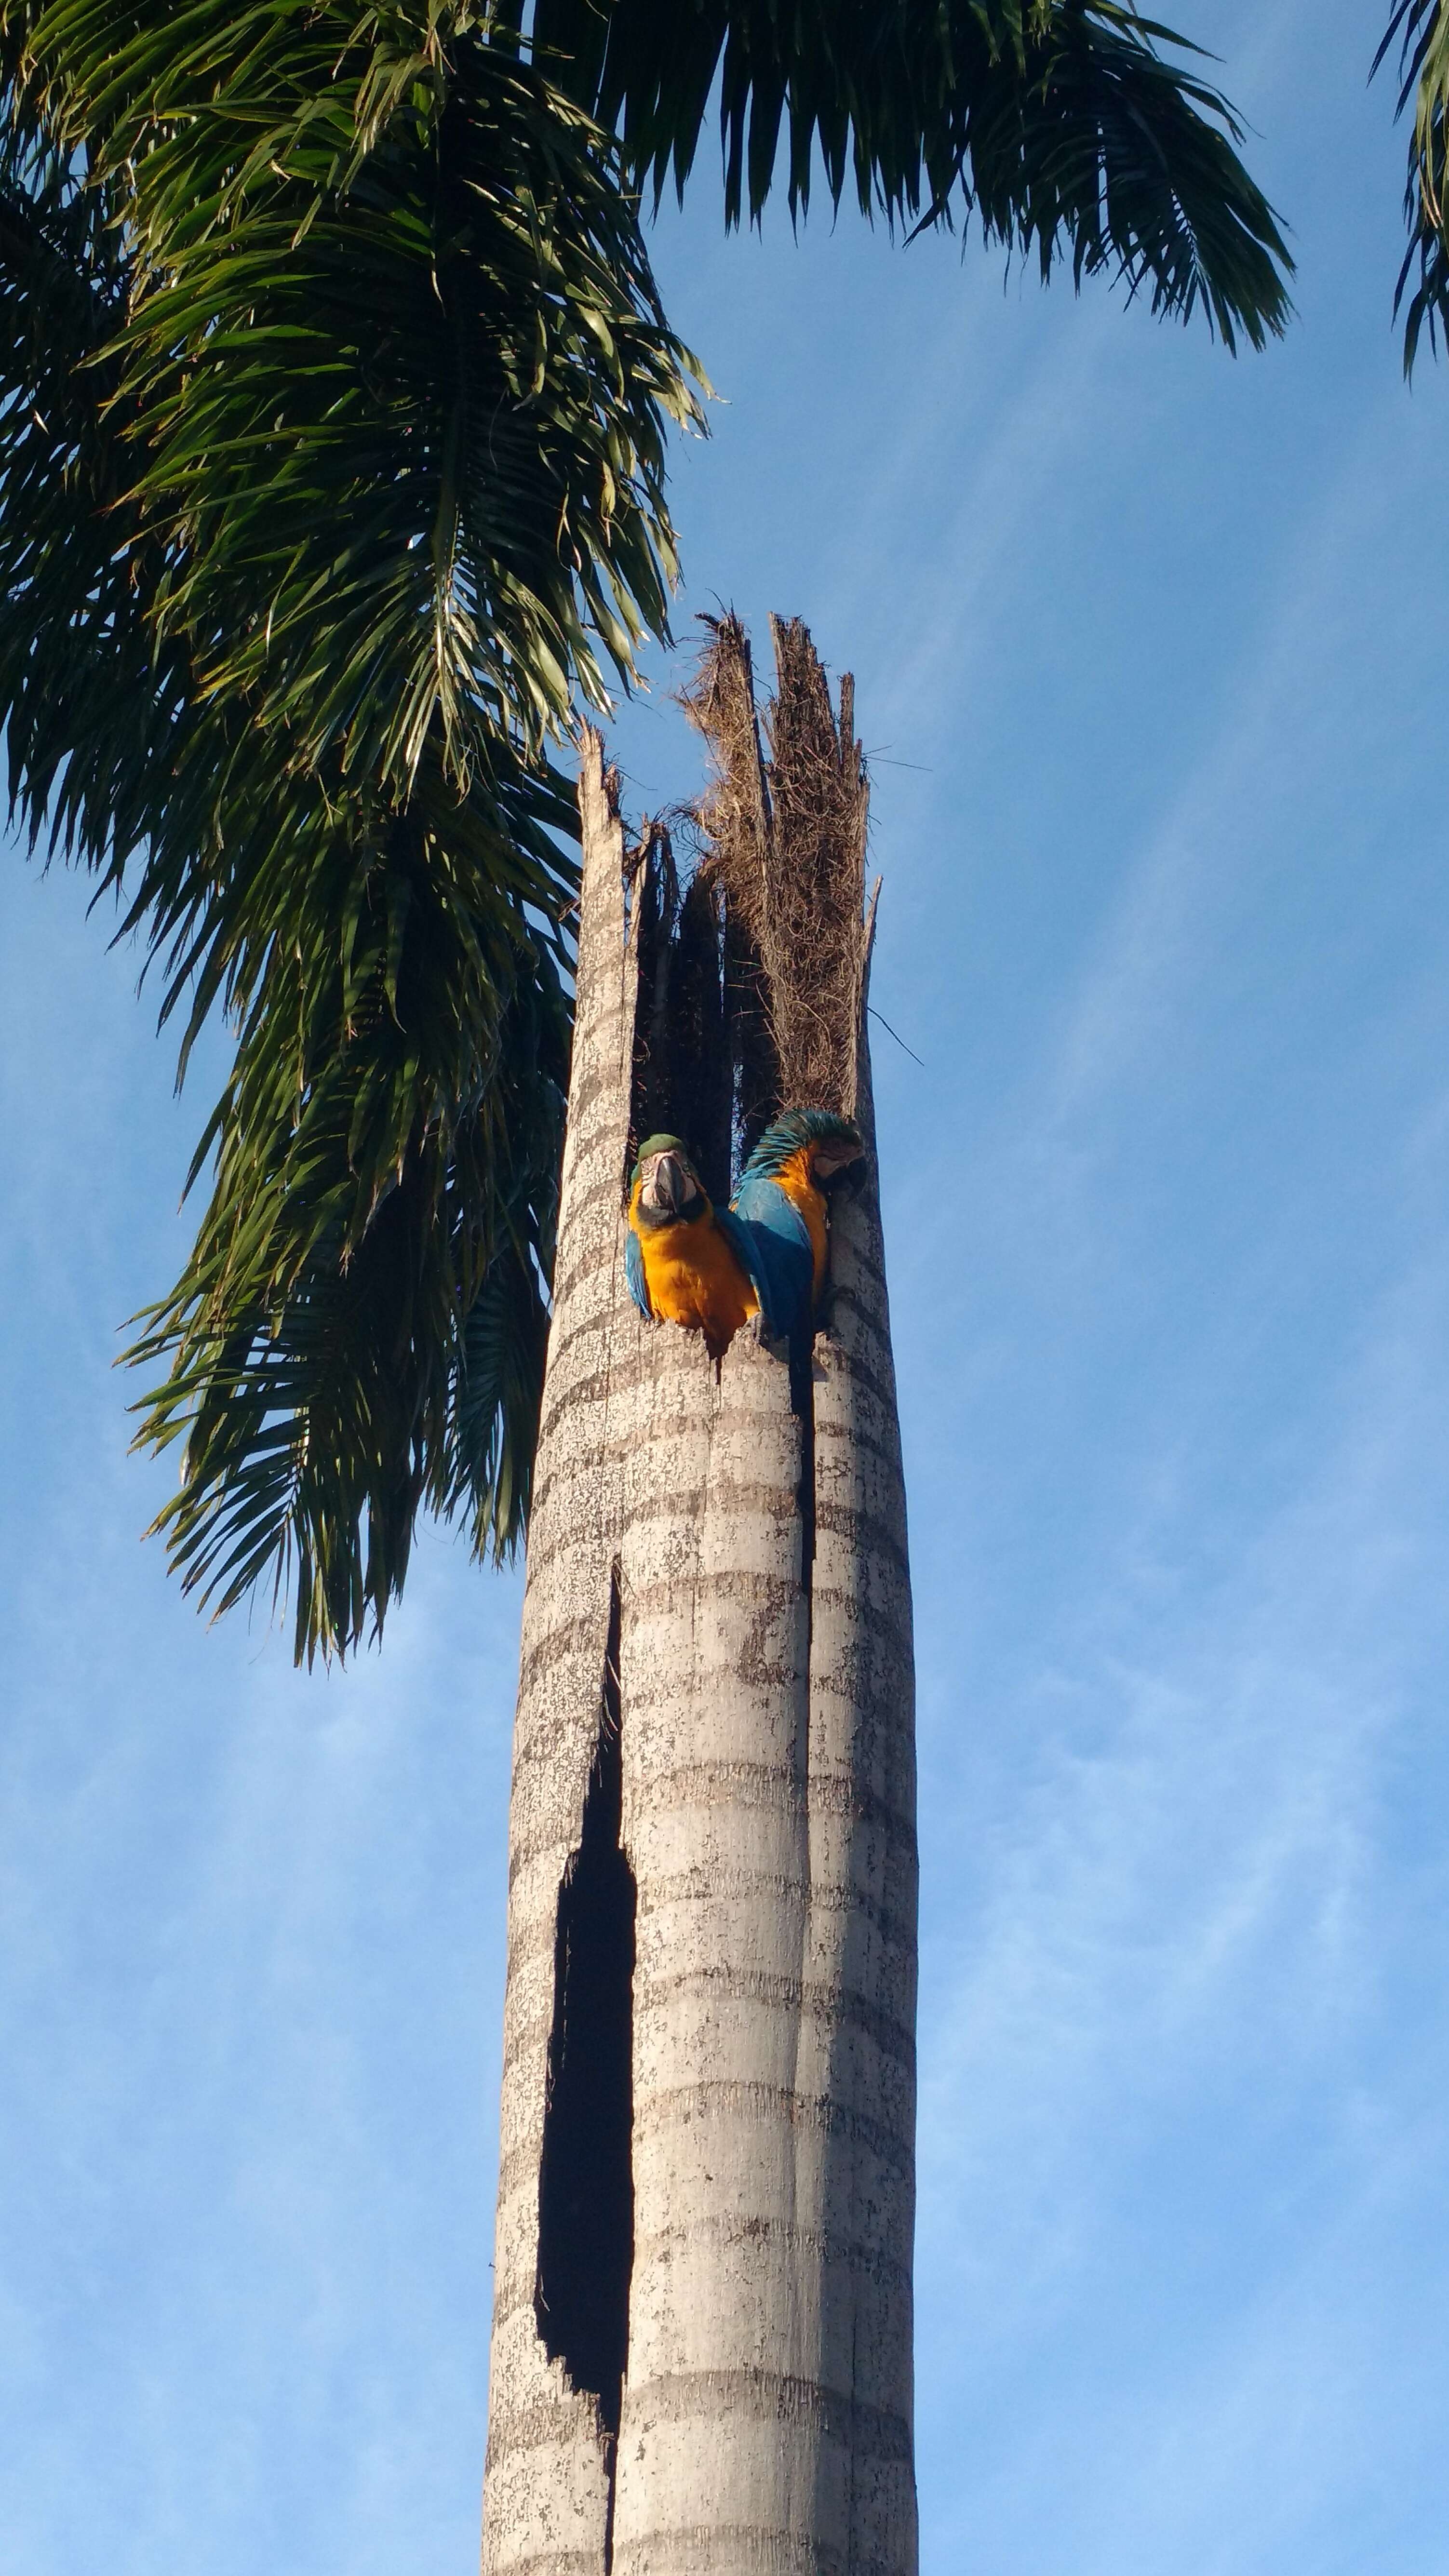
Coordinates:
<point>671,1187</point>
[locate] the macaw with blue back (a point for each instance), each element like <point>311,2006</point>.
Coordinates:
<point>782,1203</point>
<point>684,1258</point>
<point>711,1268</point>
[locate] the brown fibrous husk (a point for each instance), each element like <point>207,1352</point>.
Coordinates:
<point>751,964</point>
<point>784,826</point>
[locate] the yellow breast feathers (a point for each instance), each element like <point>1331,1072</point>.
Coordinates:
<point>680,1264</point>
<point>694,1279</point>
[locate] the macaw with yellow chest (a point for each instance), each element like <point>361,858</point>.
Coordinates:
<point>684,1258</point>
<point>782,1203</point>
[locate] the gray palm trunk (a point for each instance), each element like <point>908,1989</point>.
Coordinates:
<point>701,2351</point>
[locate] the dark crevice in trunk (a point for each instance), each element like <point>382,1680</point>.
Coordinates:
<point>682,1073</point>
<point>705,1065</point>
<point>586,2177</point>
<point>754,1063</point>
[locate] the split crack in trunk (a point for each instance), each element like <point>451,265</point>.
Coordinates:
<point>586,2180</point>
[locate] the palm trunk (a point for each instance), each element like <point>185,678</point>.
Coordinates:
<point>701,2354</point>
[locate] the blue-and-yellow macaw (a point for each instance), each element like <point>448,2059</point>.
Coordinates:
<point>782,1205</point>
<point>684,1258</point>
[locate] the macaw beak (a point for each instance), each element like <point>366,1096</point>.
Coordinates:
<point>668,1186</point>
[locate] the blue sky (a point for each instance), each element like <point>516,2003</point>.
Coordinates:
<point>1150,651</point>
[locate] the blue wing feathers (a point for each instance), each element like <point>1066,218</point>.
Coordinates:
<point>737,1236</point>
<point>634,1273</point>
<point>745,1243</point>
<point>777,1254</point>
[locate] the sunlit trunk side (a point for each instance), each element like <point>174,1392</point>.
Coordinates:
<point>720,2443</point>
<point>546,2479</point>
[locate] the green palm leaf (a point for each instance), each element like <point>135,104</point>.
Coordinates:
<point>334,401</point>
<point>1421,30</point>
<point>1056,123</point>
<point>331,488</point>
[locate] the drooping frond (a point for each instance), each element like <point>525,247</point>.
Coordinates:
<point>333,397</point>
<point>398,370</point>
<point>1058,124</point>
<point>95,708</point>
<point>1420,28</point>
<point>381,1193</point>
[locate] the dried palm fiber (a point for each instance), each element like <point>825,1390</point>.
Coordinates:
<point>785,830</point>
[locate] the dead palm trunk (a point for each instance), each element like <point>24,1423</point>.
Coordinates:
<point>701,2351</point>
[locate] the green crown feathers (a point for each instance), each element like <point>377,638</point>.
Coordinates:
<point>660,1145</point>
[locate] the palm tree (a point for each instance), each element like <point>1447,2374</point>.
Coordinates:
<point>334,393</point>
<point>702,2306</point>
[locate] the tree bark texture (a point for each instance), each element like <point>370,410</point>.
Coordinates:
<point>754,1714</point>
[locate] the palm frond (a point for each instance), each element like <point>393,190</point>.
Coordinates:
<point>331,462</point>
<point>1420,29</point>
<point>399,365</point>
<point>331,1365</point>
<point>94,713</point>
<point>1058,124</point>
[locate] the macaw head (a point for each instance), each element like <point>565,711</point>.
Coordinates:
<point>666,1189</point>
<point>834,1146</point>
<point>837,1146</point>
